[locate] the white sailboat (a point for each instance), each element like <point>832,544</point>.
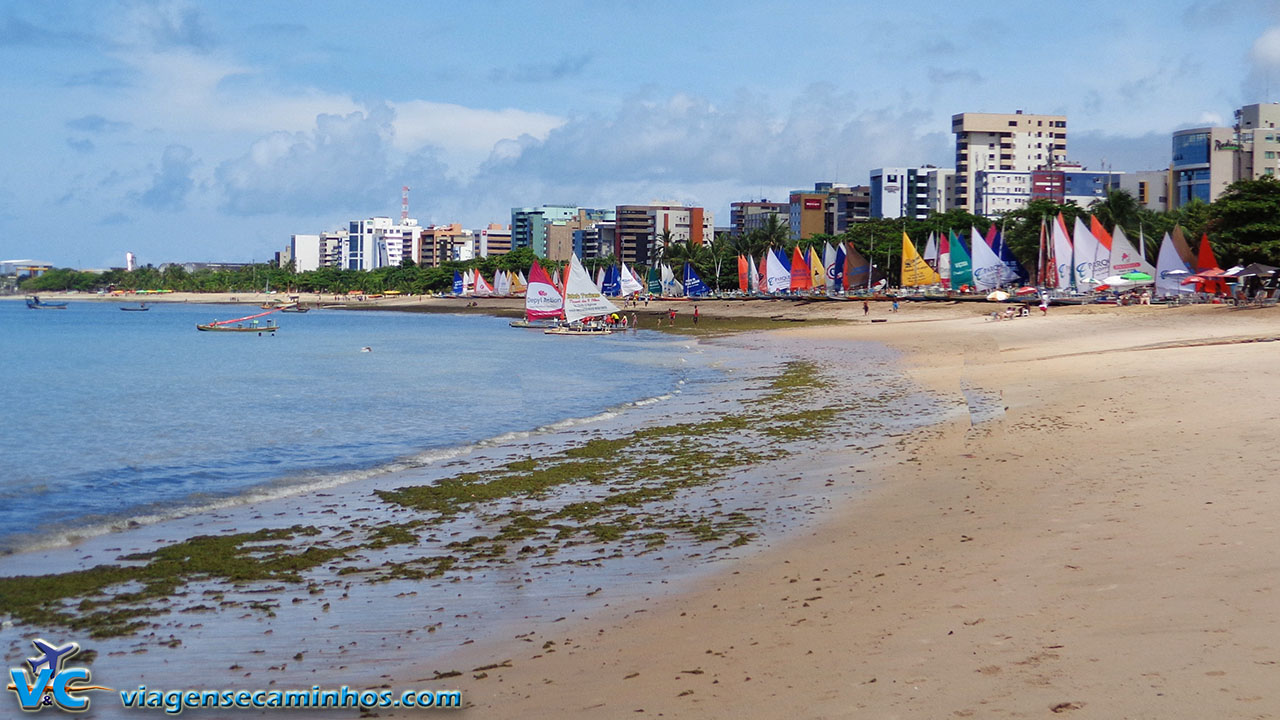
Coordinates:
<point>777,276</point>
<point>988,268</point>
<point>582,299</point>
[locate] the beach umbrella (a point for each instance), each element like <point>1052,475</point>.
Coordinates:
<point>998,296</point>
<point>1025,290</point>
<point>1139,277</point>
<point>1117,282</point>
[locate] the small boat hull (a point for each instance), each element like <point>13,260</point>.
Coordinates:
<point>535,324</point>
<point>135,309</point>
<point>238,328</point>
<point>35,303</point>
<point>577,331</point>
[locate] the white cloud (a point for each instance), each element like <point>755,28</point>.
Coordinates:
<point>1266,49</point>
<point>466,136</point>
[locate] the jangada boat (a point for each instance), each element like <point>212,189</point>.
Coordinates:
<point>239,325</point>
<point>582,299</point>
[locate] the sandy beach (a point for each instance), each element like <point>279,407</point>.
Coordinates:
<point>1093,538</point>
<point>1104,548</point>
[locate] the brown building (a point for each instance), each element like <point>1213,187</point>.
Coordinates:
<point>641,227</point>
<point>745,215</point>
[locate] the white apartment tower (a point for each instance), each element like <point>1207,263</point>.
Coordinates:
<point>1004,143</point>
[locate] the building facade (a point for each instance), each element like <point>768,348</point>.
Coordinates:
<point>529,226</point>
<point>1203,165</point>
<point>999,142</point>
<point>639,229</point>
<point>304,251</point>
<point>829,209</point>
<point>494,240</point>
<point>998,192</point>
<point>743,216</point>
<point>909,192</point>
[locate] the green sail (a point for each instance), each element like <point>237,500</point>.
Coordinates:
<point>961,267</point>
<point>654,280</point>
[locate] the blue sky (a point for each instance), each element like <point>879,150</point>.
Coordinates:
<point>213,131</point>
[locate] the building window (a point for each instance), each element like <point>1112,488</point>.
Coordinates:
<point>1013,123</point>
<point>1271,155</point>
<point>1271,171</point>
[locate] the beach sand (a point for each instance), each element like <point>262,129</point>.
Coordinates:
<point>1095,539</point>
<point>1104,547</point>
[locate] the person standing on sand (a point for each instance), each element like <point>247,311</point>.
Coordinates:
<point>1044,305</point>
<point>695,314</point>
<point>865,308</point>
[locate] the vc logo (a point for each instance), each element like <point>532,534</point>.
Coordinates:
<point>49,683</point>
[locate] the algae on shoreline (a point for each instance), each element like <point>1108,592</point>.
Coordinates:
<point>622,492</point>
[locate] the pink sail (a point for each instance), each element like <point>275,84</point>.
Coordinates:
<point>542,301</point>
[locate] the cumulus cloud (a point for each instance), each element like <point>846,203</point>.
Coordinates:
<point>341,164</point>
<point>172,181</point>
<point>465,136</point>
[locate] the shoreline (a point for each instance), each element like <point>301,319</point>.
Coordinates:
<point>1072,553</point>
<point>270,513</point>
<point>985,569</point>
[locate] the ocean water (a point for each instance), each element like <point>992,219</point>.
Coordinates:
<point>116,416</point>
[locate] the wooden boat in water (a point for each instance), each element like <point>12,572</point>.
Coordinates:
<point>239,328</point>
<point>536,324</point>
<point>141,308</point>
<point>295,307</point>
<point>35,303</point>
<point>246,324</point>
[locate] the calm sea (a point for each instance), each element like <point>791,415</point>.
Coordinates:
<point>114,415</point>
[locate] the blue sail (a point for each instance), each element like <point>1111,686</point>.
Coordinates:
<point>457,283</point>
<point>612,281</point>
<point>693,285</point>
<point>1015,268</point>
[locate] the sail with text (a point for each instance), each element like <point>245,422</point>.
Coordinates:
<point>988,270</point>
<point>800,278</point>
<point>1014,272</point>
<point>693,285</point>
<point>1171,270</point>
<point>654,281</point>
<point>1125,259</point>
<point>629,284</point>
<point>915,271</point>
<point>858,271</point>
<point>612,286</point>
<point>961,266</point>
<point>541,300</point>
<point>457,283</point>
<point>582,299</point>
<point>777,274</point>
<point>1063,253</point>
<point>1085,262</point>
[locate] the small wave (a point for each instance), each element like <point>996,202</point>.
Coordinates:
<point>298,484</point>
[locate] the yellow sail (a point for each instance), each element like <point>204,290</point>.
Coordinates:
<point>817,273</point>
<point>915,271</point>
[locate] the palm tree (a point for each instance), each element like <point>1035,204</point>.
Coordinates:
<point>1119,207</point>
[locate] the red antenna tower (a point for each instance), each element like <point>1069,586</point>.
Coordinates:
<point>404,204</point>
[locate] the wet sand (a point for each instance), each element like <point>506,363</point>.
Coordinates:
<point>1104,547</point>
<point>1094,536</point>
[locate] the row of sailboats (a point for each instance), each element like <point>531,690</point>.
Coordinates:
<point>836,270</point>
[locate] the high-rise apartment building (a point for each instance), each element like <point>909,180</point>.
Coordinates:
<point>1006,143</point>
<point>910,192</point>
<point>378,242</point>
<point>640,229</point>
<point>743,216</point>
<point>529,226</point>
